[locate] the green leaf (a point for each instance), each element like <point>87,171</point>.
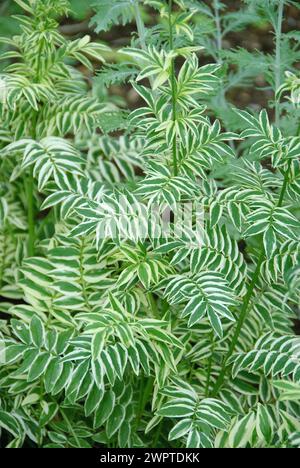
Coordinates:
<point>112,12</point>
<point>39,366</point>
<point>98,343</point>
<point>37,331</point>
<point>115,420</point>
<point>105,409</point>
<point>180,429</point>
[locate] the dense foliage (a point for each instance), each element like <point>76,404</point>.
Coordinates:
<point>118,329</point>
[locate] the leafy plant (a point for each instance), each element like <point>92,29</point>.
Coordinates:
<point>149,262</point>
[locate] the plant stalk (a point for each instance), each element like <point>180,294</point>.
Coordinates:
<point>157,434</point>
<point>247,299</point>
<point>140,25</point>
<point>218,28</point>
<point>141,30</point>
<point>30,179</point>
<point>30,193</point>
<point>30,212</point>
<point>153,305</point>
<point>240,323</point>
<point>173,90</point>
<point>284,185</point>
<point>209,367</point>
<point>278,34</point>
<point>145,392</point>
<point>70,427</point>
<point>3,258</point>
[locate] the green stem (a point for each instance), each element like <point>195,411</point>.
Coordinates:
<point>153,305</point>
<point>240,323</point>
<point>144,396</point>
<point>157,434</point>
<point>81,275</point>
<point>140,25</point>
<point>44,223</point>
<point>209,367</point>
<point>30,213</point>
<point>141,30</point>
<point>30,195</point>
<point>4,7</point>
<point>284,185</point>
<point>65,417</point>
<point>3,258</point>
<point>30,179</point>
<point>248,297</point>
<point>278,33</point>
<point>218,28</point>
<point>173,90</point>
<point>217,56</point>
